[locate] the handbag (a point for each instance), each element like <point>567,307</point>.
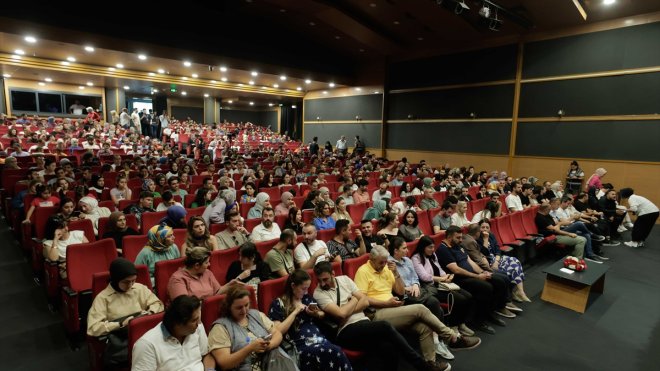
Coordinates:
<point>115,354</point>
<point>447,286</point>
<point>277,360</point>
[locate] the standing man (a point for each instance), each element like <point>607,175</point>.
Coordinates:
<point>144,122</point>
<point>342,146</point>
<point>135,121</point>
<point>314,147</point>
<point>164,122</point>
<point>647,214</point>
<point>124,118</point>
<point>153,125</point>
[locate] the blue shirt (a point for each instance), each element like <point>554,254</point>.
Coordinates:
<point>320,224</point>
<point>406,270</point>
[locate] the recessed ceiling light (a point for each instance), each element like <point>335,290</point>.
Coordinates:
<point>312,24</point>
<point>240,84</point>
<point>223,79</point>
<point>184,93</point>
<point>142,57</point>
<point>252,103</point>
<point>308,81</point>
<point>373,5</point>
<point>293,106</point>
<point>358,89</point>
<point>187,63</point>
<point>396,22</point>
<point>89,83</point>
<point>223,69</point>
<point>270,104</point>
<point>213,81</point>
<point>151,74</point>
<point>254,73</point>
<point>376,92</point>
<point>126,87</point>
<point>6,75</point>
<point>325,92</point>
<point>299,88</point>
<point>19,52</point>
<point>276,86</point>
<point>30,39</point>
<point>48,79</point>
<point>89,48</point>
<point>111,69</point>
<point>15,56</point>
<point>65,63</point>
<point>251,82</point>
<point>160,70</point>
<point>420,38</point>
<point>332,84</point>
<point>609,2</point>
<point>119,65</point>
<point>283,78</point>
<point>81,87</point>
<point>194,75</point>
<point>230,101</point>
<point>42,84</point>
<point>206,95</point>
<point>71,59</point>
<point>184,78</point>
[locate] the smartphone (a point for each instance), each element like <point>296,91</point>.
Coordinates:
<point>313,306</point>
<point>267,337</point>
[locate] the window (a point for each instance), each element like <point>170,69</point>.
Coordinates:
<point>72,102</point>
<point>51,103</point>
<point>23,101</point>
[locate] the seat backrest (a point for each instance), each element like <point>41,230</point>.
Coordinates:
<point>437,239</point>
<point>265,246</point>
<point>84,225</point>
<point>273,192</point>
<point>133,245</point>
<point>516,222</point>
<point>424,223</point>
<point>220,261</point>
<point>100,280</point>
<point>440,197</point>
<point>504,228</point>
<point>139,326</point>
<point>351,266</point>
<point>179,236</point>
<point>281,220</point>
<point>217,228</point>
<point>198,211</point>
<point>357,211</point>
<point>85,259</point>
<point>40,219</point>
<point>529,220</point>
<point>131,222</point>
<point>307,216</point>
<point>108,203</point>
<point>163,270</point>
<point>245,208</point>
<point>412,246</point>
<point>249,224</point>
<point>495,230</point>
<point>326,234</point>
<point>212,304</point>
<point>268,291</point>
<point>151,219</point>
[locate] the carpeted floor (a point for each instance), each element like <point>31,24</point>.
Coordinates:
<point>619,331</point>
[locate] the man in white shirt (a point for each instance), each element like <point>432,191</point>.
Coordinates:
<point>124,118</point>
<point>135,121</point>
<point>382,191</point>
<point>341,145</point>
<point>179,342</point>
<point>76,108</point>
<point>311,251</point>
<point>164,120</point>
<point>268,229</point>
<point>647,214</point>
<point>513,202</point>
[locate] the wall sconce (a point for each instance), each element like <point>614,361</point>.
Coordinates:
<point>411,116</point>
<point>318,118</point>
<point>561,113</point>
<point>473,115</point>
<point>358,118</point>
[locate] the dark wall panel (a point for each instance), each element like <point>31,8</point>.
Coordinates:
<point>261,118</point>
<point>368,107</point>
<point>610,140</point>
<point>615,95</point>
<point>465,137</point>
<point>628,47</point>
<point>486,101</point>
<point>195,113</point>
<point>370,133</point>
<point>476,66</point>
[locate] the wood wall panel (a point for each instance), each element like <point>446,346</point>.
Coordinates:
<point>436,159</point>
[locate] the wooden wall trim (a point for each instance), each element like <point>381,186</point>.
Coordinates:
<point>590,75</point>
<point>589,159</point>
<point>450,120</point>
<point>448,153</point>
<point>341,122</point>
<point>516,105</point>
<point>454,86</point>
<point>648,117</point>
<point>343,92</point>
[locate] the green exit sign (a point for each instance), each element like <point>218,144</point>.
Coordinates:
<point>173,88</point>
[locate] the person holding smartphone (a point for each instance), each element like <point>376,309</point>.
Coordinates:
<point>294,314</point>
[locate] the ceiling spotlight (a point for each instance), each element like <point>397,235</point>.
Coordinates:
<point>609,2</point>
<point>184,78</point>
<point>254,73</point>
<point>119,65</point>
<point>184,93</point>
<point>89,83</point>
<point>151,74</point>
<point>376,92</point>
<point>30,39</point>
<point>358,89</point>
<point>251,82</point>
<point>206,95</point>
<point>194,75</point>
<point>160,70</point>
<point>19,52</point>
<point>213,81</point>
<point>48,79</point>
<point>239,84</point>
<point>126,87</point>
<point>42,84</point>
<point>276,86</point>
<point>308,81</point>
<point>270,104</point>
<point>332,84</point>
<point>71,59</point>
<point>65,63</point>
<point>325,92</point>
<point>294,106</point>
<point>224,79</point>
<point>142,57</point>
<point>299,88</point>
<point>6,75</point>
<point>187,63</point>
<point>89,49</point>
<point>15,56</point>
<point>230,101</point>
<point>252,103</point>
<point>81,87</point>
<point>223,69</point>
<point>283,78</point>
<point>111,69</point>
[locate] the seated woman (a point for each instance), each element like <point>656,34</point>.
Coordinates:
<point>294,221</point>
<point>503,263</point>
<point>150,186</point>
<point>121,191</point>
<point>409,229</point>
<point>203,198</point>
<point>377,211</point>
<point>459,218</point>
<point>223,204</point>
<point>121,301</point>
<point>285,205</point>
<point>250,268</point>
<point>198,235</point>
<point>293,316</point>
<point>175,217</point>
<point>492,210</point>
<point>322,218</point>
<point>117,229</point>
<point>57,239</point>
<point>263,200</point>
<point>325,196</point>
<point>429,272</point>
<point>67,210</point>
<point>388,227</point>
<point>44,199</point>
<point>340,211</point>
<point>91,210</point>
<point>313,198</point>
<point>160,246</point>
<point>249,195</point>
<point>194,278</point>
<point>239,337</point>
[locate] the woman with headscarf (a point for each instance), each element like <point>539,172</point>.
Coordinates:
<point>122,300</point>
<point>595,180</point>
<point>377,211</point>
<point>150,186</point>
<point>263,200</point>
<point>428,182</point>
<point>221,206</point>
<point>117,229</point>
<point>287,202</point>
<point>97,185</point>
<point>325,196</point>
<point>91,210</point>
<point>175,218</point>
<point>160,246</point>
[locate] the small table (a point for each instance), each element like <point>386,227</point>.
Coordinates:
<point>571,290</point>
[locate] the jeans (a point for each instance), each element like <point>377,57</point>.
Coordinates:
<point>581,229</point>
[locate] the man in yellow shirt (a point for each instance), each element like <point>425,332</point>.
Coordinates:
<point>378,279</point>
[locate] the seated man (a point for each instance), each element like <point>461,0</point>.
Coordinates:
<point>527,191</point>
<point>344,303</point>
<point>234,235</point>
<point>378,279</point>
<point>491,291</point>
<point>179,342</point>
<point>366,238</point>
<point>280,257</point>
<point>268,229</point>
<point>546,226</point>
<point>428,202</point>
<point>144,205</point>
<point>312,251</point>
<point>570,223</point>
<point>382,191</point>
<point>442,221</point>
<point>513,201</point>
<point>361,195</point>
<point>341,245</point>
<point>613,214</point>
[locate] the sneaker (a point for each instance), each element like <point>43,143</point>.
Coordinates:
<point>629,225</point>
<point>601,257</point>
<point>611,243</point>
<point>631,244</point>
<point>640,244</point>
<point>512,307</point>
<point>442,350</point>
<point>484,327</point>
<point>464,330</point>
<point>621,229</point>
<point>597,237</point>
<point>465,342</point>
<point>593,259</point>
<point>504,312</point>
<point>437,366</point>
